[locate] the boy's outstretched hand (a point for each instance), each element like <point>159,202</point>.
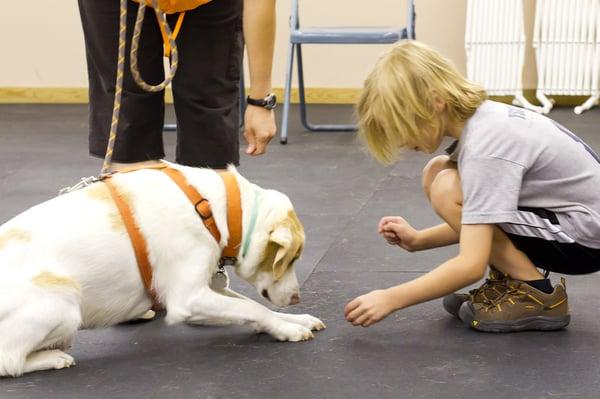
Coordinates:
<point>398,231</point>
<point>368,309</point>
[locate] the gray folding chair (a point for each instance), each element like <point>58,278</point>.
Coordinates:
<point>331,35</point>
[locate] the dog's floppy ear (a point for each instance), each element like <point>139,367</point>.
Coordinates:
<point>288,236</point>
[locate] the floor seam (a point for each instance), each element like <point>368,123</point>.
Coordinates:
<point>343,230</point>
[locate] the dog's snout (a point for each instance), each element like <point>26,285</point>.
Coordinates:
<point>265,293</point>
<point>295,299</point>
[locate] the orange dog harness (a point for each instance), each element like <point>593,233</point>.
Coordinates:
<point>203,209</point>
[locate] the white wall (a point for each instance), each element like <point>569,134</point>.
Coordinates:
<point>42,42</point>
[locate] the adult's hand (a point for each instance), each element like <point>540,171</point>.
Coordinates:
<point>259,129</point>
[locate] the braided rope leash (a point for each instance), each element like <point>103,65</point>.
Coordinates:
<point>134,68</point>
<point>118,89</point>
<point>170,52</point>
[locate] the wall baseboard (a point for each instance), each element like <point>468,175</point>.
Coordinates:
<point>314,95</point>
<point>79,95</point>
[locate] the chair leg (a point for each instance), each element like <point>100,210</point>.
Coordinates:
<point>287,95</point>
<point>301,93</point>
<point>302,97</point>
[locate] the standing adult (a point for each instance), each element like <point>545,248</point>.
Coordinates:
<point>205,87</point>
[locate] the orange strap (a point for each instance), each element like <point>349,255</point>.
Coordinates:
<point>202,206</point>
<point>234,215</point>
<point>135,235</point>
<point>200,203</point>
<point>166,41</point>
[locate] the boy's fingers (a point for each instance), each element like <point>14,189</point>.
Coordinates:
<point>350,307</point>
<point>368,322</point>
<point>355,314</point>
<point>392,226</point>
<point>392,238</point>
<point>385,220</point>
<point>359,321</point>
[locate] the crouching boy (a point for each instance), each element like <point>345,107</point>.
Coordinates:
<point>517,191</point>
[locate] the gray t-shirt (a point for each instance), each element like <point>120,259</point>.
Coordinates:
<point>509,159</point>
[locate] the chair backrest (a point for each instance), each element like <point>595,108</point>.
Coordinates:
<point>410,12</point>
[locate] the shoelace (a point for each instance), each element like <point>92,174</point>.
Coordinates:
<point>488,284</point>
<point>511,291</point>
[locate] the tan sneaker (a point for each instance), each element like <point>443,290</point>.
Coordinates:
<point>521,308</point>
<point>491,289</point>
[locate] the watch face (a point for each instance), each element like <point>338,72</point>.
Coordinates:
<point>270,101</point>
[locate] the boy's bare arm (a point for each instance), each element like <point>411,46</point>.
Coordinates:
<point>436,236</point>
<point>397,231</point>
<point>466,268</point>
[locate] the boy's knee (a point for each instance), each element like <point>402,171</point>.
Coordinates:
<point>445,189</point>
<point>431,170</point>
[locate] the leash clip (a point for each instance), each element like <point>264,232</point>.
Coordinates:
<point>226,261</point>
<point>84,182</point>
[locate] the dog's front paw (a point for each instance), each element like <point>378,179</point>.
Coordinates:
<point>48,359</point>
<point>63,360</point>
<point>292,332</point>
<point>305,320</point>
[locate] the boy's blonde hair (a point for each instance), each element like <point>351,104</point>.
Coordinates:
<point>397,106</point>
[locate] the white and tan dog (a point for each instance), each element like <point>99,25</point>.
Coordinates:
<point>68,263</point>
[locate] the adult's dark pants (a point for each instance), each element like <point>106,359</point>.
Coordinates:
<point>205,87</point>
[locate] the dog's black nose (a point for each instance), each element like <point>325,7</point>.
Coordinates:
<point>265,293</point>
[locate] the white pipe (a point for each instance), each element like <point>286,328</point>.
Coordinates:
<point>549,45</point>
<point>543,9</point>
<point>497,31</point>
<point>570,61</point>
<point>486,35</point>
<point>581,31</point>
<point>558,43</point>
<point>515,44</point>
<point>595,90</point>
<point>519,48</point>
<point>475,48</point>
<point>469,38</point>
<point>589,46</point>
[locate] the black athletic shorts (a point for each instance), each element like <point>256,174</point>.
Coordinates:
<point>555,256</point>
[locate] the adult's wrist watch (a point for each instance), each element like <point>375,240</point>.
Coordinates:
<point>269,102</point>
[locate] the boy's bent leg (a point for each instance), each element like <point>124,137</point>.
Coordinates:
<point>446,199</point>
<point>431,170</point>
<point>494,284</point>
<point>206,87</point>
<point>139,134</point>
<point>519,306</point>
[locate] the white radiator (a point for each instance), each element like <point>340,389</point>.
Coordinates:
<point>566,39</point>
<point>495,47</point>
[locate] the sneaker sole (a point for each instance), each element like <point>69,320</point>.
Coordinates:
<point>536,323</point>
